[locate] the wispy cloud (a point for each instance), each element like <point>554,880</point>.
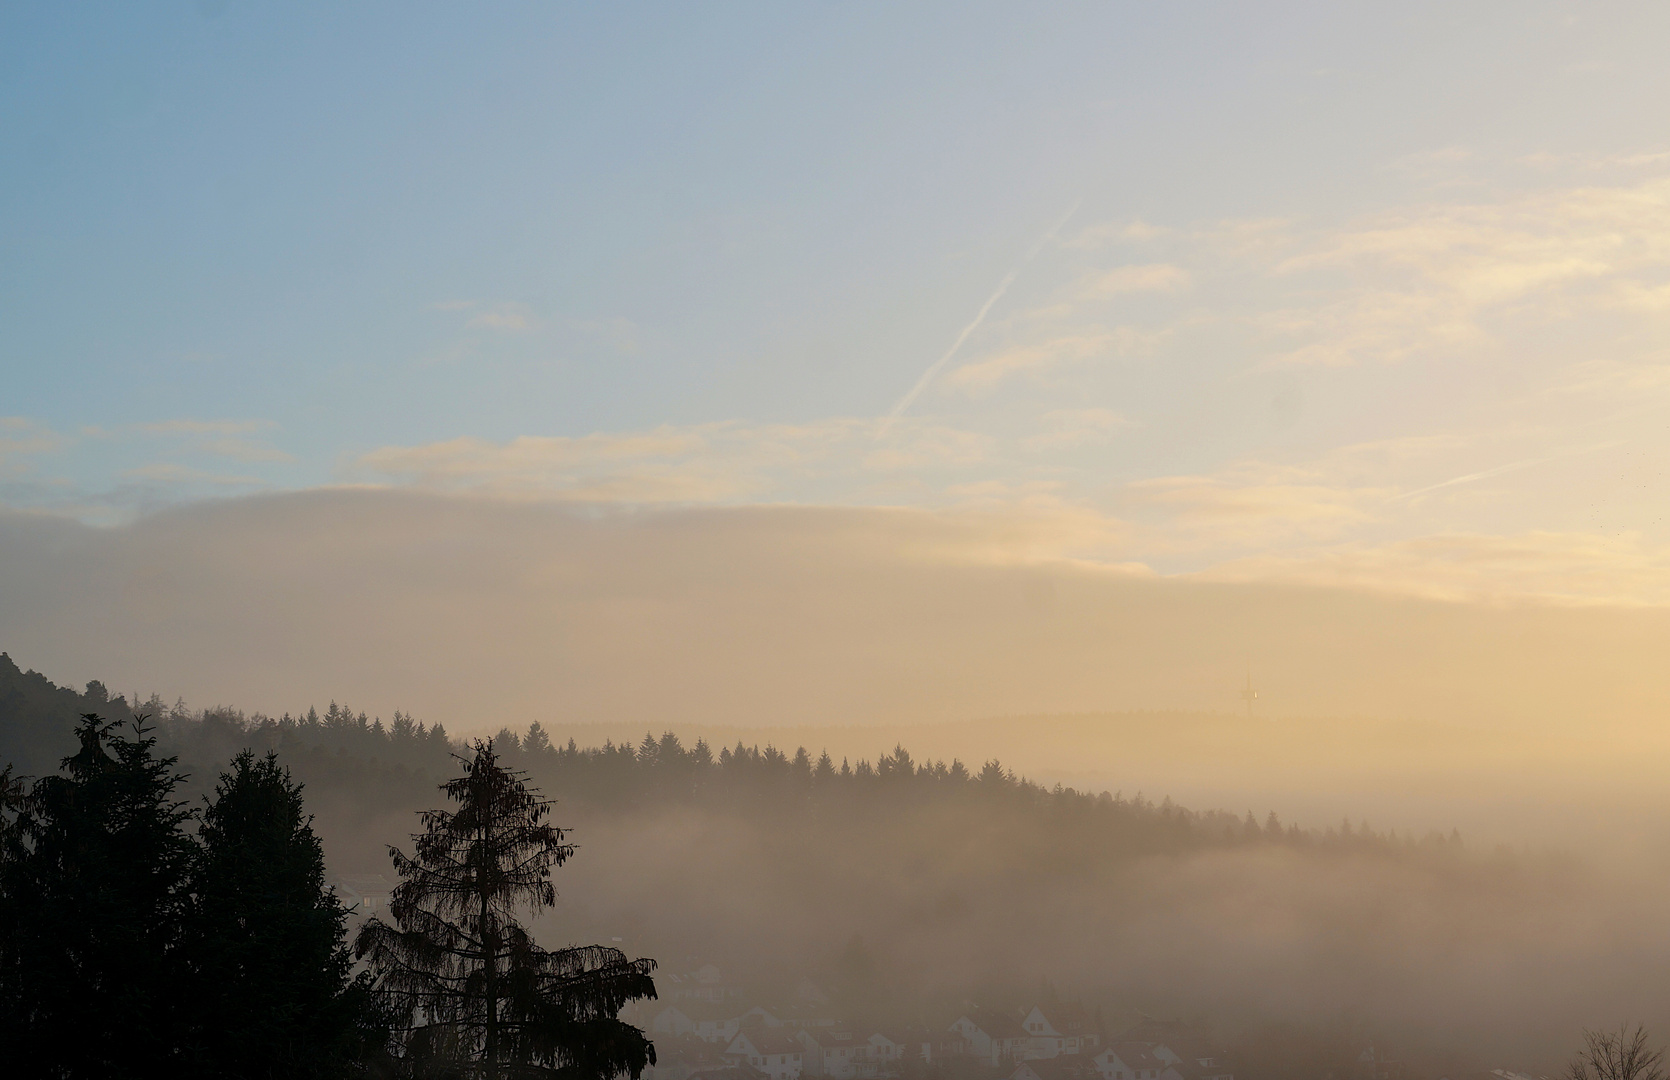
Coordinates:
<point>1102,235</point>
<point>1421,366</point>
<point>987,372</point>
<point>1431,279</point>
<point>498,315</point>
<point>1455,281</point>
<point>704,463</point>
<point>21,438</point>
<point>167,472</point>
<point>1153,277</point>
<point>934,447</point>
<point>700,463</point>
<point>204,427</point>
<point>1251,505</point>
<point>209,438</point>
<point>552,464</point>
<point>243,450</point>
<point>1583,568</point>
<point>504,317</point>
<point>1066,429</point>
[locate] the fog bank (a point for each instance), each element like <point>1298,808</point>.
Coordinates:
<point>1525,721</point>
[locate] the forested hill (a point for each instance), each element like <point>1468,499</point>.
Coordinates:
<point>899,881</point>
<point>37,718</point>
<point>359,767</point>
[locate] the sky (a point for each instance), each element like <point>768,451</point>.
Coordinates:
<point>1351,298</point>
<point>1317,291</point>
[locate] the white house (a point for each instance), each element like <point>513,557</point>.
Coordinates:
<point>991,1036</point>
<point>1184,1061</point>
<point>1128,1061</point>
<point>887,1050</point>
<point>830,1053</point>
<point>363,894</point>
<point>777,1054</point>
<point>1060,1029</point>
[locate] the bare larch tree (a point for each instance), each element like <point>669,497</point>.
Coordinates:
<point>1617,1055</point>
<point>467,991</point>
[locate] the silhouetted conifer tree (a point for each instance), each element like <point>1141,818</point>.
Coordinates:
<point>13,800</point>
<point>95,886</point>
<point>275,993</point>
<point>472,994</point>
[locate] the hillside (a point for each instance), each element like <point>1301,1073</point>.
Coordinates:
<point>911,885</point>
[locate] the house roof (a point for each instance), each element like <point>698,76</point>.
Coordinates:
<point>997,1025</point>
<point>827,1037</point>
<point>1188,1050</point>
<point>740,1071</point>
<point>1134,1055</point>
<point>1189,1069</point>
<point>1069,1019</point>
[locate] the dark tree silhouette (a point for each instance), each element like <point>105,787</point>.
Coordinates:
<point>470,991</point>
<point>13,802</point>
<point>94,887</point>
<point>1617,1055</point>
<point>267,937</point>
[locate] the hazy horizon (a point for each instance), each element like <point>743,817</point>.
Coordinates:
<point>999,382</point>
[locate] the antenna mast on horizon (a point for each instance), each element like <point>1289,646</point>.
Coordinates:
<point>1249,695</point>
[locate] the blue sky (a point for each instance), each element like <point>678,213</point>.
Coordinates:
<point>1340,285</point>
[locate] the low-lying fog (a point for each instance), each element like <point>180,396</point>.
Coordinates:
<point>1595,788</point>
<point>1535,726</point>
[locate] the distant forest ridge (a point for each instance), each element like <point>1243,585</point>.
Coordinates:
<point>352,755</point>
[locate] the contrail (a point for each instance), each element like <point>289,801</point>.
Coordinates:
<point>1470,477</point>
<point>1002,287</point>
<point>1500,469</point>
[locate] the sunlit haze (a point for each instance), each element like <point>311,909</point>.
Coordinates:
<point>1261,406</point>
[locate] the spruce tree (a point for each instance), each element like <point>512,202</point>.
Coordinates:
<point>276,993</point>
<point>94,885</point>
<point>473,995</point>
<point>13,802</point>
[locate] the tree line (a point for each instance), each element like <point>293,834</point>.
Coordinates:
<point>398,761</point>
<point>753,778</point>
<point>664,768</point>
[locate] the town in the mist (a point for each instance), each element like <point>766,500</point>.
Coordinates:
<point>834,542</point>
